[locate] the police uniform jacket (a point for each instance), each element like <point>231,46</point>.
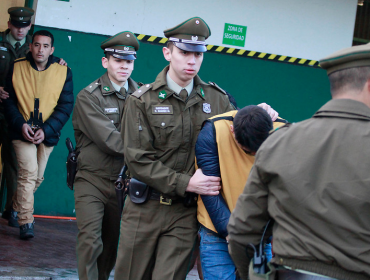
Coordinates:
<point>313,179</point>
<point>97,123</point>
<point>160,131</point>
<point>8,54</point>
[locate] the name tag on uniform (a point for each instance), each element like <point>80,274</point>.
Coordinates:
<point>162,110</point>
<point>3,49</point>
<point>111,110</point>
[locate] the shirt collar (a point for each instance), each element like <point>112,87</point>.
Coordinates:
<point>172,85</point>
<point>13,41</point>
<point>118,88</point>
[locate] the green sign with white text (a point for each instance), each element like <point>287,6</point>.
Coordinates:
<point>234,35</point>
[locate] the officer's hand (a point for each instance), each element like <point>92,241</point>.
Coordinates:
<point>273,114</point>
<point>27,132</point>
<point>62,62</point>
<point>3,94</point>
<point>202,184</point>
<point>39,137</point>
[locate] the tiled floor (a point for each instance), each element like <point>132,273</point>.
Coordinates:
<point>50,255</point>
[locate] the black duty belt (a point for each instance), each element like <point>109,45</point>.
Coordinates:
<point>166,200</point>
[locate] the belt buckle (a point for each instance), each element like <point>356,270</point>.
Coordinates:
<point>165,201</point>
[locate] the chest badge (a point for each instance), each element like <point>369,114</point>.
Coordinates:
<point>162,95</point>
<point>201,92</point>
<point>206,108</point>
<point>106,88</point>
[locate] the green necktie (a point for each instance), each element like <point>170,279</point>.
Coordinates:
<point>17,46</point>
<point>183,94</point>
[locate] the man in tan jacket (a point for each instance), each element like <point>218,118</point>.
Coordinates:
<point>312,179</point>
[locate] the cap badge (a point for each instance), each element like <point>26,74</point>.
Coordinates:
<point>20,18</point>
<point>194,38</point>
<point>126,48</point>
<point>197,22</point>
<point>206,108</point>
<point>162,95</point>
<point>201,92</point>
<point>21,10</point>
<point>106,88</point>
<point>127,35</point>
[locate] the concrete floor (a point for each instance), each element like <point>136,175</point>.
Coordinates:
<point>50,255</point>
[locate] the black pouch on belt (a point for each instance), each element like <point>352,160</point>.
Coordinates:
<point>138,191</point>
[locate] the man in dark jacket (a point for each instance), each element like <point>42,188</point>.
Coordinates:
<point>39,104</point>
<point>14,44</point>
<point>312,178</point>
<point>225,148</point>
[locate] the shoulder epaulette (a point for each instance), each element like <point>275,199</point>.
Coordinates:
<point>20,59</point>
<point>287,125</point>
<point>217,87</point>
<point>93,86</point>
<point>143,89</point>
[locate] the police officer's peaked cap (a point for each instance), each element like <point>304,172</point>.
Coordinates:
<point>122,45</point>
<point>356,56</point>
<point>20,16</point>
<point>189,35</point>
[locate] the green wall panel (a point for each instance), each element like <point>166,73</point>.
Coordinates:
<point>296,92</point>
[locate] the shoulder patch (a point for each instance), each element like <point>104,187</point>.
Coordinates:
<point>217,87</point>
<point>93,86</point>
<point>143,89</point>
<point>287,125</point>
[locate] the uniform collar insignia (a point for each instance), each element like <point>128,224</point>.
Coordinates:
<point>201,92</point>
<point>106,88</point>
<point>162,94</point>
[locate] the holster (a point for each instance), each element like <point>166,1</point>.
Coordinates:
<point>71,164</point>
<point>138,191</point>
<point>191,199</point>
<point>121,186</point>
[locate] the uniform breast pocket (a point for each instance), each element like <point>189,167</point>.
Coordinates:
<point>164,129</point>
<point>114,118</point>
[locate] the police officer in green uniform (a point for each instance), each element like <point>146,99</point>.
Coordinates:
<point>97,123</point>
<point>160,127</point>
<point>14,43</point>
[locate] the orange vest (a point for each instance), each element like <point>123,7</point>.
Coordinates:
<point>235,166</point>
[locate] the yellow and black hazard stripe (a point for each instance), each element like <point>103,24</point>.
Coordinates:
<point>239,52</point>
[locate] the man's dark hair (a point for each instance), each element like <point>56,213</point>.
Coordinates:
<point>252,125</point>
<point>170,45</point>
<point>349,79</point>
<point>44,33</point>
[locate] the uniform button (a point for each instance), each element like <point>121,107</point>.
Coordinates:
<point>137,193</point>
<point>147,85</point>
<point>139,90</point>
<point>3,56</point>
<point>96,83</point>
<point>91,86</point>
<point>163,124</point>
<point>112,121</point>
